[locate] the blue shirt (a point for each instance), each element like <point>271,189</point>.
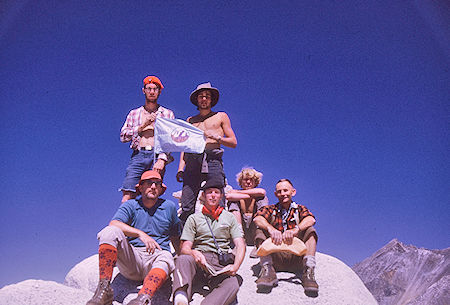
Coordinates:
<point>160,222</point>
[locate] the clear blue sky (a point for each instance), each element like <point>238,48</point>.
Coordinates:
<point>348,99</point>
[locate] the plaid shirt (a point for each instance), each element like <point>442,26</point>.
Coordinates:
<point>272,213</point>
<point>129,131</point>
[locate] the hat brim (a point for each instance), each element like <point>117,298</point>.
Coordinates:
<point>214,96</point>
<point>268,247</point>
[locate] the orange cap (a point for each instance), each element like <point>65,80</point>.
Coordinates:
<point>151,174</point>
<point>154,80</point>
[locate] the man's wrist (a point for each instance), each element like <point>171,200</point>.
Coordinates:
<point>163,157</point>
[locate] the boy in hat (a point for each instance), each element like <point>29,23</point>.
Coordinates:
<point>138,129</point>
<point>137,240</point>
<point>200,251</point>
<point>195,168</point>
<point>282,222</point>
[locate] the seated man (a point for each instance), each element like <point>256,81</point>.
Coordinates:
<point>200,251</point>
<point>246,202</point>
<point>282,222</point>
<point>137,239</point>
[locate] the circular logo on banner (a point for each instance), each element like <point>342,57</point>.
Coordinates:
<point>179,135</point>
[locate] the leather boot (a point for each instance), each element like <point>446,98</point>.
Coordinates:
<point>142,299</point>
<point>267,277</point>
<point>308,281</point>
<point>103,295</point>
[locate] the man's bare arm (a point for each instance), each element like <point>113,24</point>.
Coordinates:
<point>255,192</point>
<point>239,257</point>
<point>186,248</point>
<point>265,225</point>
<point>235,196</point>
<point>149,242</point>
<point>306,222</point>
<point>230,138</point>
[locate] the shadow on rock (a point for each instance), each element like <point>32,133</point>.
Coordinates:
<point>124,287</point>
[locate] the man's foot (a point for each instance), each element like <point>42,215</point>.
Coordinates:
<point>103,295</point>
<point>253,253</point>
<point>308,281</point>
<point>142,299</point>
<point>180,299</point>
<point>267,278</point>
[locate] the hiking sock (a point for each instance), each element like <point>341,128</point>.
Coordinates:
<point>309,261</point>
<point>107,258</point>
<point>154,279</point>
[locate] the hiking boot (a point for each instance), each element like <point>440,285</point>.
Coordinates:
<point>308,281</point>
<point>103,295</point>
<point>253,253</point>
<point>267,277</point>
<point>142,299</point>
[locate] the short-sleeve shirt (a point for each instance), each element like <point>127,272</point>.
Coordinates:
<point>274,215</point>
<point>225,229</point>
<point>160,222</point>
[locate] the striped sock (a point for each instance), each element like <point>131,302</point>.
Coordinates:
<point>154,279</point>
<point>107,258</point>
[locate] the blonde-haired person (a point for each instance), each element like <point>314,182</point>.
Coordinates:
<point>246,202</point>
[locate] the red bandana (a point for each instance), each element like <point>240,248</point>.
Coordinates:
<point>214,214</point>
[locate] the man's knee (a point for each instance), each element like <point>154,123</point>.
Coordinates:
<point>260,236</point>
<point>165,262</point>
<point>307,234</point>
<point>110,235</point>
<point>183,260</point>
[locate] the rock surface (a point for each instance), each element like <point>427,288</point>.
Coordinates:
<point>338,285</point>
<point>38,292</point>
<point>405,274</point>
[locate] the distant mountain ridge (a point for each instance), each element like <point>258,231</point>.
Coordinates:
<point>405,274</point>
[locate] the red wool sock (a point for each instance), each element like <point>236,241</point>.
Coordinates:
<point>107,258</point>
<point>154,279</point>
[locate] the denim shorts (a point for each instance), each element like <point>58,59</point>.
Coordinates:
<point>140,161</point>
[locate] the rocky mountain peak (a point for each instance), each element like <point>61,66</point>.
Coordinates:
<point>404,274</point>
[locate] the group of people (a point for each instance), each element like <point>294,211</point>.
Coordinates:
<point>209,245</point>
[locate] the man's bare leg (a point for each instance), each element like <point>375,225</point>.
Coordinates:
<point>311,244</point>
<point>127,195</point>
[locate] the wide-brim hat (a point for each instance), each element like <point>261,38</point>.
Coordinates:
<point>267,247</point>
<point>204,86</point>
<point>151,175</point>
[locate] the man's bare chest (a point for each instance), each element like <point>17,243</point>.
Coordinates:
<point>212,123</point>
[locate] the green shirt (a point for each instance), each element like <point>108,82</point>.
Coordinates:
<point>225,229</point>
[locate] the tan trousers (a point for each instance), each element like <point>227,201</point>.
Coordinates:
<point>224,288</point>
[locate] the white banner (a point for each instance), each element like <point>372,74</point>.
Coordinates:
<point>178,135</point>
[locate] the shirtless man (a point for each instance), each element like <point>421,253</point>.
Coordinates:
<point>139,130</point>
<point>195,168</point>
<point>246,202</point>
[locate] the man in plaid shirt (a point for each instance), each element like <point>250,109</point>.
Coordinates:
<point>282,222</point>
<point>139,130</point>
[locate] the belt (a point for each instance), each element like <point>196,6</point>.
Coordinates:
<point>148,147</point>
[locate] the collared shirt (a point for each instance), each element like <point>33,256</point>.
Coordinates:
<point>160,222</point>
<point>129,131</point>
<point>273,215</point>
<point>225,229</point>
